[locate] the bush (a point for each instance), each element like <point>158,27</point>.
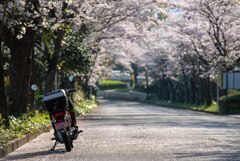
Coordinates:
<point>112,84</point>
<point>229,105</point>
<point>82,106</point>
<point>23,125</point>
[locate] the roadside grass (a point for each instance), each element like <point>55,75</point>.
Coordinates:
<point>212,108</point>
<point>112,84</point>
<point>82,106</point>
<point>23,125</point>
<point>120,90</point>
<point>85,106</point>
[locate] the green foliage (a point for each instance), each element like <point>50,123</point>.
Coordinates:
<point>23,125</point>
<point>85,106</point>
<point>76,57</point>
<point>234,92</point>
<point>38,99</point>
<point>82,106</point>
<point>112,84</point>
<point>121,90</point>
<point>229,104</point>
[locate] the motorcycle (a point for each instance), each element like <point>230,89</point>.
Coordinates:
<point>60,108</point>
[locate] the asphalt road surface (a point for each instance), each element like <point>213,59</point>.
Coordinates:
<point>133,131</point>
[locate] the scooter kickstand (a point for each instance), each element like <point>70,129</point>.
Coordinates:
<point>53,148</point>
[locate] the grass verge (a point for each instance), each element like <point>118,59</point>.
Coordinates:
<point>212,108</point>
<point>23,125</point>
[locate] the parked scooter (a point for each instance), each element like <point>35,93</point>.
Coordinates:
<point>60,108</point>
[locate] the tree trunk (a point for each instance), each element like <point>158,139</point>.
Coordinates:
<point>21,57</point>
<point>3,102</point>
<point>32,81</point>
<point>214,91</point>
<point>172,91</point>
<point>193,91</point>
<point>167,92</point>
<point>147,84</point>
<point>183,93</point>
<point>135,73</point>
<point>54,61</point>
<point>3,98</point>
<point>186,92</point>
<point>198,92</point>
<point>208,96</point>
<point>202,92</point>
<point>159,90</point>
<point>164,90</point>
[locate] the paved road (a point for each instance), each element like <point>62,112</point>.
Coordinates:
<point>132,131</point>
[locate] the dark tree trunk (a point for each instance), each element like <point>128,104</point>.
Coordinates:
<point>186,92</point>
<point>135,72</point>
<point>54,61</point>
<point>202,92</point>
<point>164,90</point>
<point>198,91</point>
<point>167,92</point>
<point>32,81</point>
<point>3,102</point>
<point>20,75</point>
<point>208,96</point>
<point>182,93</point>
<point>214,91</point>
<point>3,98</point>
<point>86,87</point>
<point>193,91</point>
<point>172,91</point>
<point>147,84</point>
<point>159,90</point>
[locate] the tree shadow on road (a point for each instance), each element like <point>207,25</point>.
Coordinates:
<point>217,155</point>
<point>33,154</point>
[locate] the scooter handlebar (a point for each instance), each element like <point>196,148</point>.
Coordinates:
<point>68,91</point>
<point>40,98</point>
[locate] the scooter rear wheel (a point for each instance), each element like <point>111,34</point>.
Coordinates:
<point>67,142</point>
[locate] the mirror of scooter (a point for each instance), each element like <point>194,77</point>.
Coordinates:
<point>70,78</point>
<point>34,87</point>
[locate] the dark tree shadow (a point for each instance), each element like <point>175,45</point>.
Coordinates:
<point>34,154</point>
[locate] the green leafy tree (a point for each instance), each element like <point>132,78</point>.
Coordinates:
<point>75,57</point>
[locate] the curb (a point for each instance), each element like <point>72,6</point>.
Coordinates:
<point>15,144</point>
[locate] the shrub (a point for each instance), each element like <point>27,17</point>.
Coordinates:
<point>112,84</point>
<point>229,105</point>
<point>23,125</point>
<point>82,106</point>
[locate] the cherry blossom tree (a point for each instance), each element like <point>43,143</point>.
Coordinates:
<point>204,31</point>
<point>197,40</point>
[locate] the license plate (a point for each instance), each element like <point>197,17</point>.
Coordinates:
<point>60,125</point>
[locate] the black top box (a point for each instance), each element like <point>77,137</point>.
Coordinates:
<point>56,100</point>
